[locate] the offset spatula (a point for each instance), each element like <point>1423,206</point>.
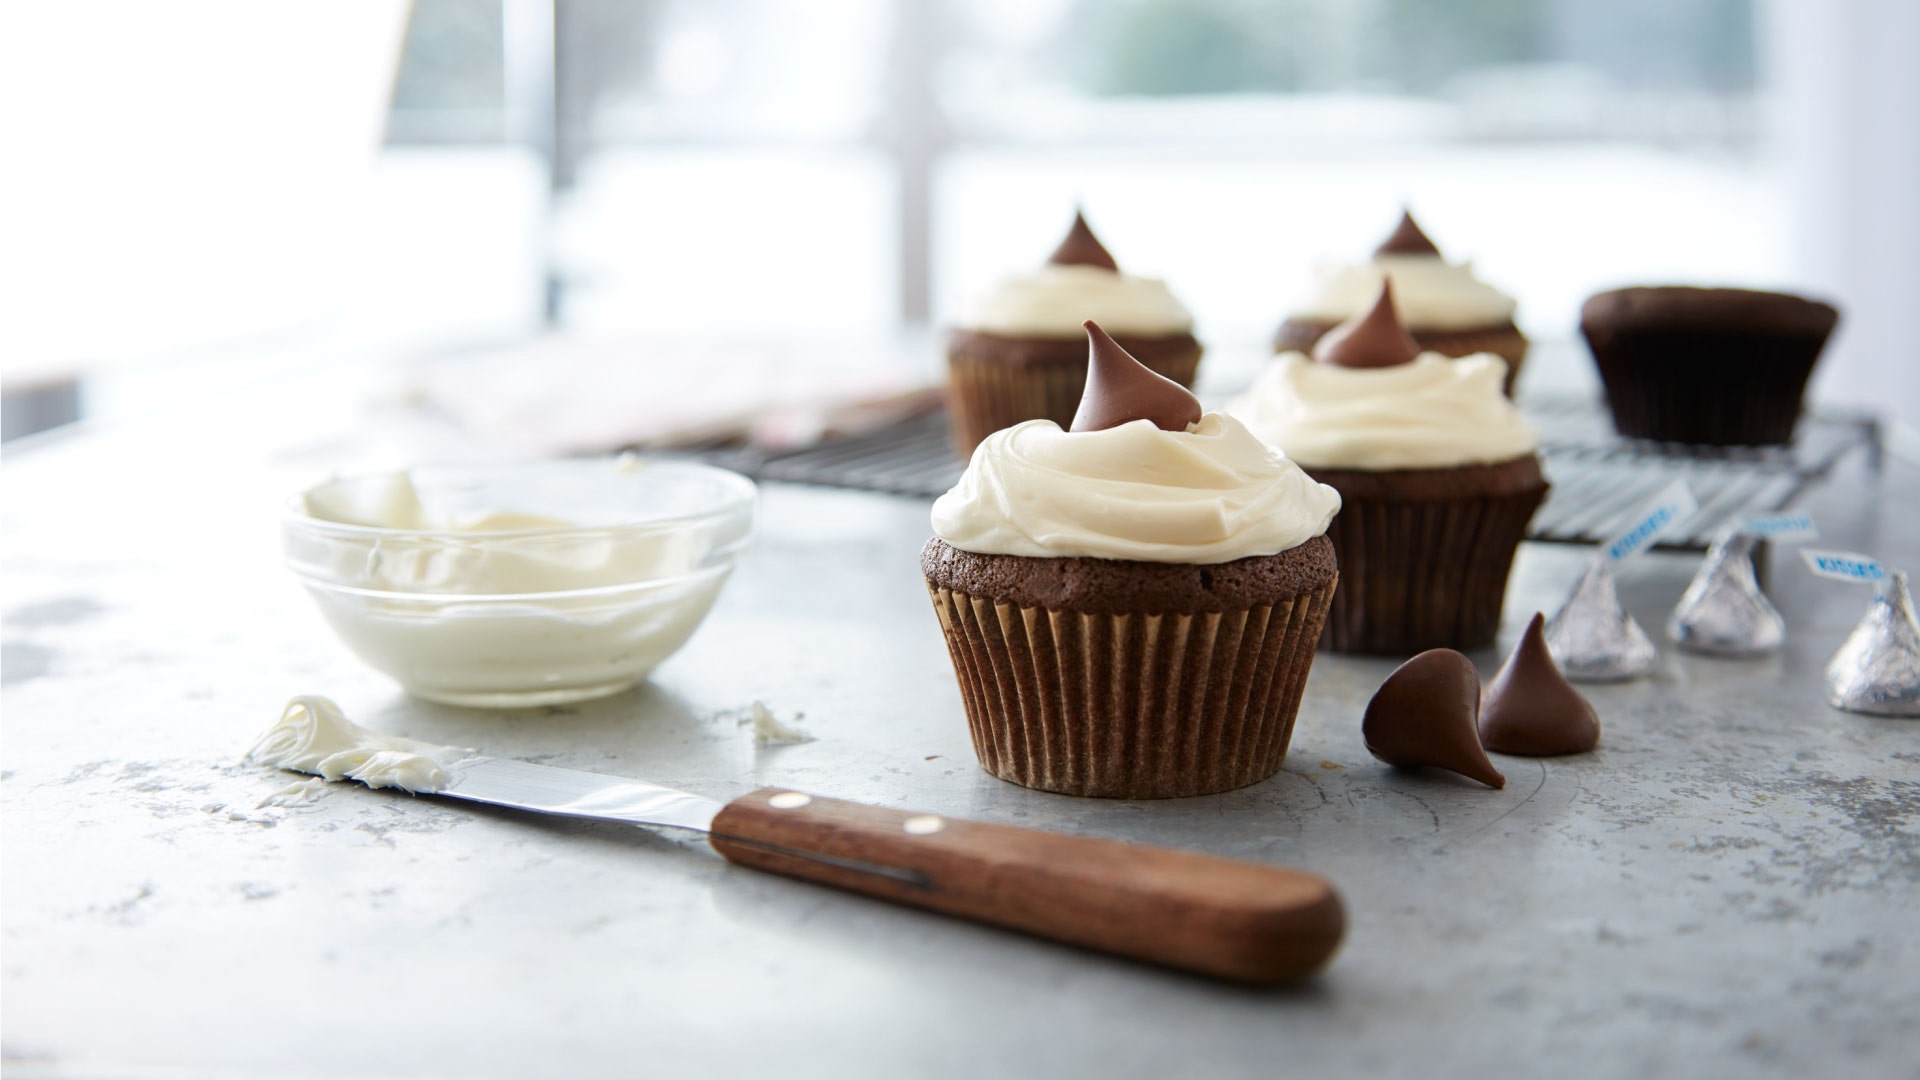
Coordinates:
<point>1234,920</point>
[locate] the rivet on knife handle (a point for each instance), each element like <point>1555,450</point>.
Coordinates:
<point>1201,913</point>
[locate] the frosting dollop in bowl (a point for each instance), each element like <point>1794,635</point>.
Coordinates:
<point>533,583</point>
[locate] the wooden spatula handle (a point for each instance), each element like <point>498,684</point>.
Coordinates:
<point>1215,916</point>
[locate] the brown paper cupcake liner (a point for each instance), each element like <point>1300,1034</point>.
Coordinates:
<point>1731,391</point>
<point>984,396</point>
<point>1417,575</point>
<point>1134,706</point>
<point>985,392</point>
<point>1506,342</point>
<point>1722,367</point>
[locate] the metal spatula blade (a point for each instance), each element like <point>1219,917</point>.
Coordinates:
<point>544,789</point>
<point>1234,920</point>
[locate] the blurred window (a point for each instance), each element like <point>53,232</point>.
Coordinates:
<point>780,167</point>
<point>451,84</point>
<point>1561,145</point>
<point>833,165</point>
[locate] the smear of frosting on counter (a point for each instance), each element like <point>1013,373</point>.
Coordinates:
<point>314,736</point>
<point>770,730</point>
<point>298,793</point>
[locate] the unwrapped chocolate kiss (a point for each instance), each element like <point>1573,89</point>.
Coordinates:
<point>1121,389</point>
<point>1531,709</point>
<point>1082,248</point>
<point>1426,713</point>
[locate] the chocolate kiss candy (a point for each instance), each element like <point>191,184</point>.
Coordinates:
<point>1531,709</point>
<point>1877,670</point>
<point>1082,248</point>
<point>1424,715</point>
<point>1407,239</point>
<point>1374,339</point>
<point>1723,612</point>
<point>1592,636</point>
<point>1120,389</point>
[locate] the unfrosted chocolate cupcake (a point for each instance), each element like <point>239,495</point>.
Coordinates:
<point>1132,605</point>
<point>1443,305</point>
<point>1438,476</point>
<point>1722,367</point>
<point>1021,353</point>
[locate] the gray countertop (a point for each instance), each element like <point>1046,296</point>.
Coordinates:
<point>1726,887</point>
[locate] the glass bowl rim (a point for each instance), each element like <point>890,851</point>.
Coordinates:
<point>294,516</point>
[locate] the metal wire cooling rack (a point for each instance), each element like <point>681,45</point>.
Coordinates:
<point>1598,478</point>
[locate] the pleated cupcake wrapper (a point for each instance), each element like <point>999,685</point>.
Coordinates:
<point>1133,706</point>
<point>1418,575</point>
<point>1666,394</point>
<point>985,395</point>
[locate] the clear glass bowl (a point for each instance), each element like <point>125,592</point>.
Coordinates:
<point>605,570</point>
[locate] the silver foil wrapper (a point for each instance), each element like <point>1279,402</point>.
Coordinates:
<point>1877,670</point>
<point>1592,637</point>
<point>1723,612</point>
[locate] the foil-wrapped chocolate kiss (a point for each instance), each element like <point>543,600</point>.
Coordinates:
<point>1723,612</point>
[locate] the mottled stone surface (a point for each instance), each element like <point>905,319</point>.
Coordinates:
<point>1726,887</point>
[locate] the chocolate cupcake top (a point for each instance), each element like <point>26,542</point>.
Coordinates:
<point>1686,307</point>
<point>1430,292</point>
<point>1080,281</point>
<point>1365,400</point>
<point>1141,479</point>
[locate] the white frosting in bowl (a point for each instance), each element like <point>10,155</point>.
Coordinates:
<point>1432,413</point>
<point>1210,494</point>
<point>1055,300</point>
<point>1429,293</point>
<point>519,584</point>
<point>488,552</point>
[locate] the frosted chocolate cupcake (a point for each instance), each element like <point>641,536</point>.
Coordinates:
<point>1131,605</point>
<point>1725,367</point>
<point>1437,471</point>
<point>1021,355</point>
<point>1443,305</point>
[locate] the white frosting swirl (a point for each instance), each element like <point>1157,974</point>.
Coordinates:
<point>1054,300</point>
<point>1429,293</point>
<point>1210,494</point>
<point>1432,413</point>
